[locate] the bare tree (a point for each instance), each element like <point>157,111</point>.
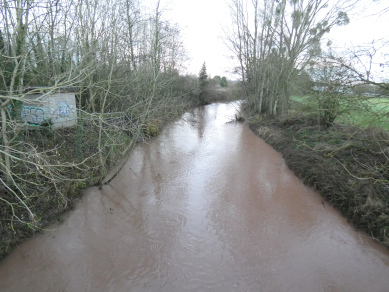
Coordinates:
<point>270,39</point>
<point>123,65</point>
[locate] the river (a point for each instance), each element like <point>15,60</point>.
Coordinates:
<point>205,206</point>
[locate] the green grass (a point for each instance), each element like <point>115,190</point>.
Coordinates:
<point>359,111</point>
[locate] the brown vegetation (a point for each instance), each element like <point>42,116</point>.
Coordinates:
<point>348,166</point>
<point>124,70</point>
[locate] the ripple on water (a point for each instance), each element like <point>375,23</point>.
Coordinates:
<point>206,206</point>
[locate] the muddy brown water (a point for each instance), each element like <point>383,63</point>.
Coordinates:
<point>206,206</point>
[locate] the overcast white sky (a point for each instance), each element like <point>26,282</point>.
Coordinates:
<point>367,25</point>
<point>201,23</point>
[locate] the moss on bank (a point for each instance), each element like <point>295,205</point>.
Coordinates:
<point>348,166</point>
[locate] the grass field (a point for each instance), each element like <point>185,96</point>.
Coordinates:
<point>358,111</point>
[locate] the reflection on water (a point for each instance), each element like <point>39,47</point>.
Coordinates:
<point>206,206</point>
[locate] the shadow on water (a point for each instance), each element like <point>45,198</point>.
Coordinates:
<point>206,206</point>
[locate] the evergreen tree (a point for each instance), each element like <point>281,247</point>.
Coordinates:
<point>223,82</point>
<point>203,83</point>
<point>217,79</point>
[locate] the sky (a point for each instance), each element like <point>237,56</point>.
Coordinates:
<point>366,25</point>
<point>202,24</point>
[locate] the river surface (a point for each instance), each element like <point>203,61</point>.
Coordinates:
<point>206,206</point>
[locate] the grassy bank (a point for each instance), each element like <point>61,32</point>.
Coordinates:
<point>348,165</point>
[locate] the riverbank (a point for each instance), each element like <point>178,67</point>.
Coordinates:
<point>348,166</point>
<point>67,162</point>
<point>204,206</point>
<point>58,165</point>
